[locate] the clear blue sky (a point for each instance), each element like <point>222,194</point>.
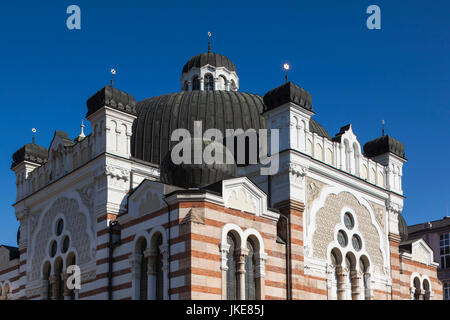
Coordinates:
<point>357,76</point>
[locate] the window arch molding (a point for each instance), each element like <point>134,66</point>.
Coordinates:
<point>319,203</point>
<point>344,282</point>
<point>163,250</point>
<point>241,238</point>
<point>424,294</point>
<point>139,254</point>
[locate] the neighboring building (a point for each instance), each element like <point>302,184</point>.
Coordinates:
<point>327,225</point>
<point>437,235</point>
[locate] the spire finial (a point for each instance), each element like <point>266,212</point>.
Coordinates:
<point>382,122</point>
<point>113,72</point>
<point>82,135</point>
<point>34,133</point>
<point>286,68</point>
<point>209,42</point>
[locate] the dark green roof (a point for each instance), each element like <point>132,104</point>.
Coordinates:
<point>211,58</point>
<point>30,152</point>
<point>402,228</point>
<point>382,145</point>
<point>197,175</point>
<point>113,98</point>
<point>287,92</point>
<point>315,127</point>
<point>158,117</point>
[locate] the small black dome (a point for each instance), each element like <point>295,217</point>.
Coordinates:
<point>315,127</point>
<point>402,228</point>
<point>113,98</point>
<point>288,92</point>
<point>211,58</point>
<point>197,175</point>
<point>383,145</point>
<point>30,152</point>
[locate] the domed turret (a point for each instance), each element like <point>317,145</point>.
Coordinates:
<point>209,71</point>
<point>382,145</point>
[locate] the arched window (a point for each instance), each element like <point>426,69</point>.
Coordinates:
<point>250,272</point>
<point>59,282</point>
<point>231,272</point>
<point>364,269</point>
<point>336,262</point>
<point>195,83</point>
<point>223,82</point>
<point>143,264</point>
<point>347,156</point>
<point>426,288</point>
<point>233,86</point>
<point>209,82</point>
<point>47,292</point>
<point>356,156</point>
<point>417,288</point>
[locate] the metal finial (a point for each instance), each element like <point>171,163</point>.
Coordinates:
<point>286,67</point>
<point>113,72</point>
<point>209,42</point>
<point>82,129</point>
<point>382,121</point>
<point>34,133</point>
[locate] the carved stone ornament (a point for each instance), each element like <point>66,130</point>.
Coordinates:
<point>297,169</point>
<point>118,173</point>
<point>76,224</point>
<point>393,207</point>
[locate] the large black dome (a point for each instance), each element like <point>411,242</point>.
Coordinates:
<point>193,175</point>
<point>158,117</point>
<point>211,58</point>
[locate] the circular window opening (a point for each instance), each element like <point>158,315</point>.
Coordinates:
<point>53,248</point>
<point>356,242</point>
<point>349,221</point>
<point>59,227</point>
<point>66,244</point>
<point>342,238</point>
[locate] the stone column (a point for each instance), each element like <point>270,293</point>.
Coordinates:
<point>356,280</point>
<point>421,294</point>
<point>189,85</point>
<point>151,256</point>
<point>241,271</point>
<point>135,262</point>
<point>368,292</point>
<point>67,291</point>
<point>341,274</point>
<point>216,84</point>
<point>55,287</point>
<point>412,292</point>
<point>202,83</point>
<point>260,274</point>
<point>164,250</point>
<point>44,290</point>
<point>227,85</point>
<point>224,249</point>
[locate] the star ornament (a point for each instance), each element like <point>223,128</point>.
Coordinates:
<point>286,66</point>
<point>209,34</point>
<point>33,130</point>
<point>113,71</point>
